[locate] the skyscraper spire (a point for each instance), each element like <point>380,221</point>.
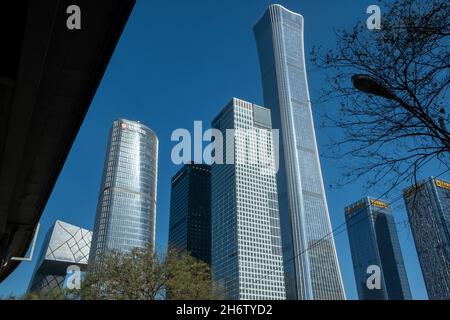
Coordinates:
<point>310,260</point>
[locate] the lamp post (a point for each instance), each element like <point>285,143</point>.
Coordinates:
<point>369,85</point>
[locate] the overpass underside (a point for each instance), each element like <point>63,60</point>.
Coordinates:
<point>48,78</point>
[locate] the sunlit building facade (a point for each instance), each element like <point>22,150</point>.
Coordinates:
<point>65,246</point>
<point>374,242</point>
<point>126,210</point>
<point>428,206</point>
<point>246,246</point>
<point>310,260</point>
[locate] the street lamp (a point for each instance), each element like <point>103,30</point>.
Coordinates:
<point>369,85</point>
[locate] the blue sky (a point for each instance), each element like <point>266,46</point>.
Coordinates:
<point>180,61</point>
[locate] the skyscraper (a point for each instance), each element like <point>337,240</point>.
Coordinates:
<point>310,260</point>
<point>190,211</point>
<point>246,245</point>
<point>65,245</point>
<point>126,210</point>
<point>428,206</point>
<point>374,242</point>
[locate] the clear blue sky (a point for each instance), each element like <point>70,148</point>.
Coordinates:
<point>180,61</point>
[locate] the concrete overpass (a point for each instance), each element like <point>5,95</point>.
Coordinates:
<point>48,78</point>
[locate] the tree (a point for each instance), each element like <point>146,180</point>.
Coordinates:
<point>391,133</point>
<point>144,275</point>
<point>188,278</point>
<point>47,294</point>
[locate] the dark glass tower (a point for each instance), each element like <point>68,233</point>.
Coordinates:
<point>374,242</point>
<point>190,211</point>
<point>126,209</point>
<point>310,261</point>
<point>428,206</point>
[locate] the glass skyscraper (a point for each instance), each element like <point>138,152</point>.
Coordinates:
<point>310,260</point>
<point>190,211</point>
<point>126,210</point>
<point>428,206</point>
<point>246,246</point>
<point>65,245</point>
<point>374,242</point>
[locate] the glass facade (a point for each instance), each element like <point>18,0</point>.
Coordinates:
<point>374,242</point>
<point>246,246</point>
<point>428,206</point>
<point>64,245</point>
<point>126,210</point>
<point>310,260</point>
<point>190,211</point>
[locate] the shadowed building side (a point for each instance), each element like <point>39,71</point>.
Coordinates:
<point>190,211</point>
<point>428,206</point>
<point>374,241</point>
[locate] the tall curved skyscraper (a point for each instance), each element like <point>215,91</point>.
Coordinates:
<point>126,209</point>
<point>310,260</point>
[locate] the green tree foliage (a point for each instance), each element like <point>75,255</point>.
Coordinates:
<point>50,294</point>
<point>145,275</point>
<point>140,274</point>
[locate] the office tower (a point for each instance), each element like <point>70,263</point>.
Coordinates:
<point>374,242</point>
<point>246,246</point>
<point>126,210</point>
<point>310,260</point>
<point>65,245</point>
<point>190,211</point>
<point>428,206</point>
